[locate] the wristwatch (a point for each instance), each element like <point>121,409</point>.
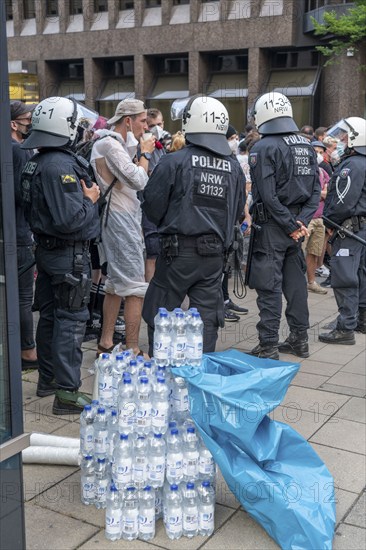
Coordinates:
<point>146,155</point>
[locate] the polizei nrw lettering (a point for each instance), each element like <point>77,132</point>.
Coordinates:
<point>214,163</point>
<point>294,140</point>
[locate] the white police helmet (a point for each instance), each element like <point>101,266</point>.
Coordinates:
<point>273,114</point>
<point>205,121</point>
<point>352,132</point>
<point>55,122</point>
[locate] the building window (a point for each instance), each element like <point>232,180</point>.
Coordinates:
<point>100,5</point>
<point>295,60</point>
<point>315,4</point>
<point>51,7</point>
<point>229,63</point>
<point>152,4</point>
<point>180,2</point>
<point>75,7</point>
<point>126,5</point>
<point>29,11</point>
<point>9,10</point>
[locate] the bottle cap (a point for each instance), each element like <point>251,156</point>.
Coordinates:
<point>101,460</point>
<point>174,487</point>
<point>105,355</point>
<point>113,412</point>
<point>147,488</point>
<point>101,410</point>
<point>174,431</point>
<point>190,485</point>
<point>87,407</point>
<point>120,357</point>
<point>144,380</point>
<point>191,430</point>
<point>158,436</point>
<point>123,436</point>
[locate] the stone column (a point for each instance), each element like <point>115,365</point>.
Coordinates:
<point>139,13</point>
<point>198,73</point>
<point>48,79</point>
<point>64,15</point>
<point>144,74</point>
<point>18,16</point>
<point>113,12</point>
<point>93,77</point>
<point>166,9</point>
<point>40,9</point>
<point>259,67</point>
<point>195,10</point>
<point>88,14</point>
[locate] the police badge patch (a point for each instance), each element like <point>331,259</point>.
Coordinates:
<point>253,159</point>
<point>68,179</point>
<point>345,173</point>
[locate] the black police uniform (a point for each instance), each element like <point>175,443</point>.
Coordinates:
<point>285,188</point>
<point>346,205</point>
<point>194,197</point>
<point>63,221</point>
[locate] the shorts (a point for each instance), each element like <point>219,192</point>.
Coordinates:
<point>315,242</point>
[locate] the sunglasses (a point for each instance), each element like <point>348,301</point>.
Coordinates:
<point>26,119</point>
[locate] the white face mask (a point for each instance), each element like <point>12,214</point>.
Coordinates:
<point>131,144</point>
<point>233,144</point>
<point>157,131</point>
<point>319,158</point>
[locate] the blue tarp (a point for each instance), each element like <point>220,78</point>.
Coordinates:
<point>271,469</point>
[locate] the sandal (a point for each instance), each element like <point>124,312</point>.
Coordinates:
<point>102,349</point>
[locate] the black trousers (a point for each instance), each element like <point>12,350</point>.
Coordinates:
<point>348,279</point>
<point>25,289</point>
<point>278,266</point>
<point>187,274</point>
<point>60,330</point>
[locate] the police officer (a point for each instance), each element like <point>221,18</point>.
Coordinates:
<point>286,193</point>
<point>194,196</point>
<point>60,207</point>
<point>346,205</point>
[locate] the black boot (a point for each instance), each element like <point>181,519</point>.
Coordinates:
<point>361,323</point>
<point>268,351</point>
<point>337,336</point>
<point>296,344</point>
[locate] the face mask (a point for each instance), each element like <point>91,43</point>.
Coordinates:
<point>341,148</point>
<point>131,144</point>
<point>233,144</point>
<point>26,130</point>
<point>319,158</point>
<point>157,132</point>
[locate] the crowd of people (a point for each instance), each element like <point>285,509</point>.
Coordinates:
<point>126,218</point>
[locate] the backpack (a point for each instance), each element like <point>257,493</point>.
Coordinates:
<point>84,150</point>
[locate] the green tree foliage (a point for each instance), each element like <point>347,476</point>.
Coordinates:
<point>344,32</point>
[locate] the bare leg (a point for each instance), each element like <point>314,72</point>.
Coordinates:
<point>112,303</point>
<point>132,315</point>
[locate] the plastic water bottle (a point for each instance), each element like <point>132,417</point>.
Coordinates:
<point>206,464</point>
<point>206,509</point>
<point>86,431</point>
<point>95,407</point>
<point>178,341</point>
<point>160,406</point>
<point>126,406</point>
<point>174,457</point>
<point>157,461</point>
<point>244,227</point>
<point>113,516</point>
<point>118,369</point>
<point>87,481</point>
<point>179,398</point>
<point>162,338</point>
<point>140,462</point>
<point>174,513</point>
<point>112,433</point>
<point>146,369</point>
<point>130,515</point>
<point>143,412</point>
<point>194,339</point>
<point>147,513</point>
<point>133,369</point>
<point>105,380</point>
<point>100,433</point>
<point>190,456</point>
<point>190,511</point>
<point>158,503</point>
<point>122,465</point>
<point>101,483</point>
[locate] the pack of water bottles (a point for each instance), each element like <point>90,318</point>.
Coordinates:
<point>141,455</point>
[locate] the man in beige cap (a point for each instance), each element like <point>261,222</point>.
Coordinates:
<point>112,160</point>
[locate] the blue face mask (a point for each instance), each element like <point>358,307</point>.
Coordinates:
<point>341,148</point>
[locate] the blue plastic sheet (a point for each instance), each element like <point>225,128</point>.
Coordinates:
<point>271,469</point>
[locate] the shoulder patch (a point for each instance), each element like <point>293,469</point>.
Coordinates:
<point>253,159</point>
<point>68,178</point>
<point>345,172</point>
<point>30,168</point>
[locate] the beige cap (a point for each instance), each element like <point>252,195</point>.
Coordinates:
<point>127,107</point>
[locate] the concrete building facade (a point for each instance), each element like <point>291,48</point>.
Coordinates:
<point>101,51</point>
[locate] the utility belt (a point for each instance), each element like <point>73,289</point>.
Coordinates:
<point>208,244</point>
<point>355,223</point>
<point>262,215</point>
<point>50,243</point>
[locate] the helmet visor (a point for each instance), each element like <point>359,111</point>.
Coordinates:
<point>177,108</point>
<point>340,131</point>
<point>87,117</point>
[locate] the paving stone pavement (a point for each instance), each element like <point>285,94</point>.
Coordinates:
<point>325,403</point>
